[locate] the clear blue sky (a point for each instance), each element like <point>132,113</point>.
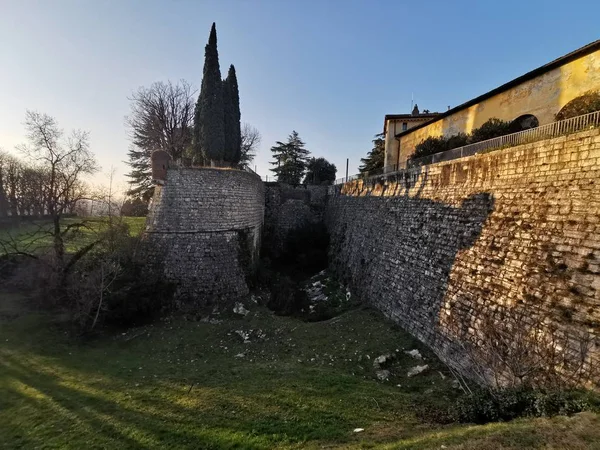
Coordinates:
<point>330,69</point>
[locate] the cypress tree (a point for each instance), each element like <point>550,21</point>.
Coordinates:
<point>232,116</point>
<point>228,122</point>
<point>235,114</point>
<point>209,136</point>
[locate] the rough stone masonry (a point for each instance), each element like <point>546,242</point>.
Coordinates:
<point>203,232</point>
<point>490,259</point>
<point>289,208</point>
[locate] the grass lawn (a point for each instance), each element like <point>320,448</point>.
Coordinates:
<point>34,237</point>
<point>196,384</point>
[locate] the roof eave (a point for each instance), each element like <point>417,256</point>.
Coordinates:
<point>558,62</point>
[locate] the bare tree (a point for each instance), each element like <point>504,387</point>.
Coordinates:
<point>65,161</point>
<point>160,119</point>
<point>33,191</point>
<point>3,197</point>
<point>12,170</point>
<point>250,141</point>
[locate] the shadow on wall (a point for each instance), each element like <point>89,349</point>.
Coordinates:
<point>521,302</point>
<point>398,251</point>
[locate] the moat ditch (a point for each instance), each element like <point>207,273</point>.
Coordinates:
<point>293,278</point>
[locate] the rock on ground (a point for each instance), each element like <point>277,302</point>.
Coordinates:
<point>383,375</point>
<point>239,309</point>
<point>414,353</point>
<point>417,370</point>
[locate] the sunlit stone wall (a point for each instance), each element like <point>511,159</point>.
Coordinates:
<point>475,256</point>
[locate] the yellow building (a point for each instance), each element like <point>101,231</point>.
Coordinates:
<point>530,100</point>
<point>397,123</point>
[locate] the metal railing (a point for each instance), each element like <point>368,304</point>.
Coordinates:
<point>548,131</point>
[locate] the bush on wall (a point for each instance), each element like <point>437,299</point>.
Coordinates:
<point>492,128</point>
<point>584,104</point>
<point>430,146</point>
<point>489,130</point>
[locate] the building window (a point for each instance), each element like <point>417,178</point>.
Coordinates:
<point>404,126</point>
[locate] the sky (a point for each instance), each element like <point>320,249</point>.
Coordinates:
<point>329,69</point>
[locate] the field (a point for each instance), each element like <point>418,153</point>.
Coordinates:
<point>34,237</point>
<point>195,384</point>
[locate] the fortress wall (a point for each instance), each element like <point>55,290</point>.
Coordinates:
<point>484,257</point>
<point>289,208</point>
<point>203,232</point>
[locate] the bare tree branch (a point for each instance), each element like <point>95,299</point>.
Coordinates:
<point>160,119</point>
<point>64,162</point>
<point>250,141</point>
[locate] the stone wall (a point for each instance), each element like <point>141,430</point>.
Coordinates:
<point>203,232</point>
<point>288,208</point>
<point>484,258</point>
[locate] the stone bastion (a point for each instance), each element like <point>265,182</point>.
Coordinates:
<point>203,232</point>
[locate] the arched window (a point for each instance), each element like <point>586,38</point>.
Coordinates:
<point>584,104</point>
<point>524,122</point>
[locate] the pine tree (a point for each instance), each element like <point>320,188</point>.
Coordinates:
<point>375,158</point>
<point>319,171</point>
<point>160,119</point>
<point>140,177</point>
<point>290,159</point>
<point>209,137</point>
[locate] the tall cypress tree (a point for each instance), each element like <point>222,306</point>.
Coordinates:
<point>232,116</point>
<point>228,121</point>
<point>209,136</point>
<point>235,114</point>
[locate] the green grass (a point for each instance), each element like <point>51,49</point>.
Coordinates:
<point>182,384</point>
<point>34,237</point>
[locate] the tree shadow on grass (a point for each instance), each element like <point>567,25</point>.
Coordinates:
<point>140,418</point>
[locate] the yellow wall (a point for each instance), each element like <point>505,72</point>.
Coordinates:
<point>542,96</point>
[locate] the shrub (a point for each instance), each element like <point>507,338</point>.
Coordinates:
<point>111,286</point>
<point>287,297</point>
<point>458,140</point>
<point>9,264</point>
<point>430,146</point>
<point>535,351</point>
<point>492,128</point>
<point>135,299</point>
<point>506,404</point>
<point>584,104</point>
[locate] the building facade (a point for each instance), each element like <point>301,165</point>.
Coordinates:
<point>530,100</point>
<point>397,123</point>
